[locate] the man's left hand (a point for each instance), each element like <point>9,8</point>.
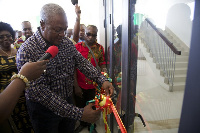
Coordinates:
<point>107,86</point>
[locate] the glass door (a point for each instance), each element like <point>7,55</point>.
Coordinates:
<point>122,59</point>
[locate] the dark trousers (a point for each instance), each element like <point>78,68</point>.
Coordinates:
<point>45,121</point>
<point>81,102</point>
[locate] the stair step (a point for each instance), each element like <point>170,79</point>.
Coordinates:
<point>180,71</point>
<point>180,78</point>
<point>178,59</point>
<point>177,71</point>
<point>177,65</point>
<point>178,86</point>
<point>181,58</point>
<point>177,78</point>
<point>181,64</point>
<point>185,53</point>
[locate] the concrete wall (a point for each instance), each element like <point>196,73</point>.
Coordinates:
<point>175,14</point>
<point>178,21</point>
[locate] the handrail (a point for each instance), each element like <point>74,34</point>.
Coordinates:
<point>164,38</point>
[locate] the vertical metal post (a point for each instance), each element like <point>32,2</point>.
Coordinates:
<point>189,122</point>
<point>125,58</point>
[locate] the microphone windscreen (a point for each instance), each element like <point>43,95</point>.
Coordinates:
<point>53,50</point>
<point>74,2</point>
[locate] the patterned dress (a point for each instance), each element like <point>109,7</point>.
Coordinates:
<point>19,116</point>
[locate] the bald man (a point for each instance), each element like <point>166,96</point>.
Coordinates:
<point>27,29</point>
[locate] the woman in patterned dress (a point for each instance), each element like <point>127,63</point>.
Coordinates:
<point>19,119</point>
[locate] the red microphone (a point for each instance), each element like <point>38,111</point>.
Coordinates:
<point>50,53</point>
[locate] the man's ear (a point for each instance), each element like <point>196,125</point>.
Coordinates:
<point>42,25</point>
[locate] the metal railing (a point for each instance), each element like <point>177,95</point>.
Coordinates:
<point>161,49</point>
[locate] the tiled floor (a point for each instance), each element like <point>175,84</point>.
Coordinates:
<point>160,109</point>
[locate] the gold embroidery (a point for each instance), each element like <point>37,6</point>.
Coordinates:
<point>3,61</point>
<point>10,60</point>
<point>88,81</point>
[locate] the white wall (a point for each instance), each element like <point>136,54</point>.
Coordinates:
<point>178,21</point>
<point>92,12</point>
<point>16,11</point>
<point>101,29</point>
<point>158,11</point>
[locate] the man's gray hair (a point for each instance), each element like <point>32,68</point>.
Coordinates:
<point>49,11</point>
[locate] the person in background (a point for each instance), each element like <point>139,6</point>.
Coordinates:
<point>19,34</point>
<point>117,66</point>
<point>7,55</point>
<point>19,118</point>
<point>73,35</point>
<point>19,40</point>
<point>77,23</point>
<point>117,52</point>
<point>16,36</point>
<point>11,94</point>
<point>70,33</point>
<point>49,98</point>
<point>82,33</point>
<point>83,87</point>
<point>26,33</point>
<point>79,29</point>
<point>27,29</point>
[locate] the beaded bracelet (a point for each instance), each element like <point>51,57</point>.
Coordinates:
<point>23,78</point>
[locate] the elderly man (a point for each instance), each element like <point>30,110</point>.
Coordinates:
<point>49,98</point>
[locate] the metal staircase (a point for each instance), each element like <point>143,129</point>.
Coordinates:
<point>166,55</point>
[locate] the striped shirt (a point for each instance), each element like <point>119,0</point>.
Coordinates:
<point>56,84</point>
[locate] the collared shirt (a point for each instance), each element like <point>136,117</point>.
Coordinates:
<point>80,40</point>
<point>72,40</point>
<point>98,52</point>
<point>56,84</point>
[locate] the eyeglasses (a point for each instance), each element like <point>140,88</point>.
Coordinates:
<point>90,34</point>
<point>59,31</point>
<point>6,35</point>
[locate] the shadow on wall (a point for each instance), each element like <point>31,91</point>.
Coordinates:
<point>178,21</point>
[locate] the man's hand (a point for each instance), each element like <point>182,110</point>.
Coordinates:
<point>107,86</point>
<point>90,115</point>
<point>77,10</point>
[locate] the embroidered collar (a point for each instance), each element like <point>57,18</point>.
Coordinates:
<point>93,46</point>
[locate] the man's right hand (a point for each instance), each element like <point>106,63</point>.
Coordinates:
<point>90,115</point>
